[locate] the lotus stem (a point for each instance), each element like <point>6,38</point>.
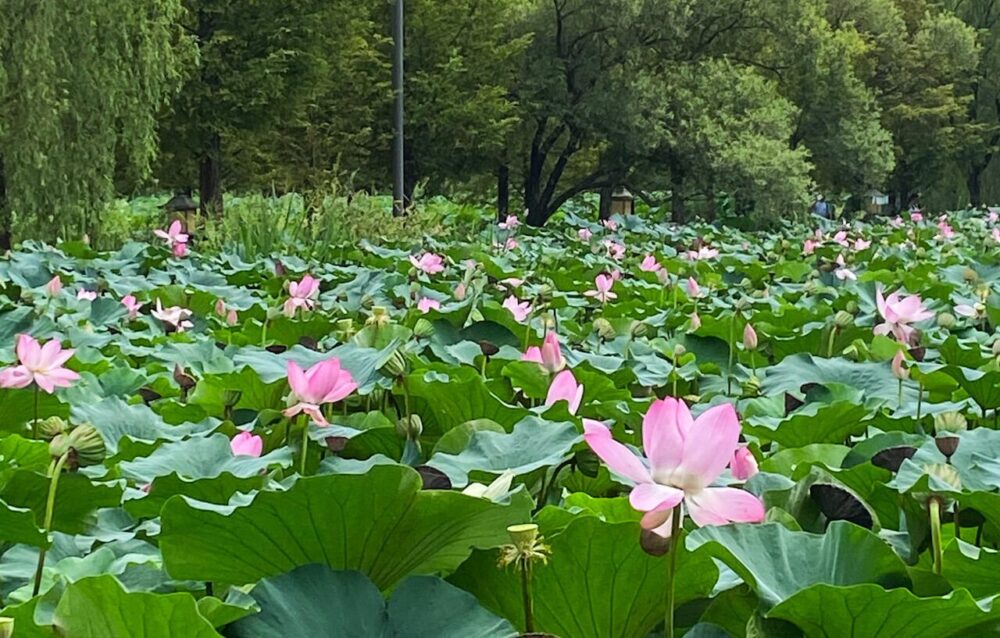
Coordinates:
<point>34,422</point>
<point>899,396</point>
<point>50,505</point>
<point>263,333</point>
<point>529,606</point>
<point>304,420</point>
<point>732,353</point>
<point>934,505</point>
<point>831,342</point>
<point>675,548</point>
<point>920,400</point>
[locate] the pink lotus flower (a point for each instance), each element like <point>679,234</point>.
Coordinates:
<point>616,275</point>
<point>520,309</point>
<point>976,312</point>
<point>945,231</point>
<point>132,306</point>
<point>54,287</point>
<point>995,234</point>
<point>694,322</point>
<point>40,364</point>
<point>809,246</point>
<point>426,304</point>
<point>916,217</point>
<point>87,295</point>
<point>663,276</point>
<point>510,223</point>
<point>174,317</point>
<point>649,264</point>
<point>179,250</point>
<point>861,244</point>
<point>702,253</point>
<point>843,272</point>
<point>428,263</point>
<point>302,295</point>
<point>898,370</point>
<point>565,388</point>
<point>610,224</point>
<point>324,382</point>
<point>173,235</point>
<point>993,217</point>
<point>685,456</point>
<point>510,283</point>
<point>232,318</point>
<point>247,444</point>
<point>841,238</point>
<point>510,244</point>
<point>898,313</point>
<point>744,465</point>
<point>584,234</point>
<point>549,356</point>
<point>693,289</point>
<point>749,337</point>
<point>602,291</point>
<point>615,250</point>
<point>896,222</point>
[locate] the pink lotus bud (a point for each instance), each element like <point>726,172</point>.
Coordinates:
<point>551,353</point>
<point>898,370</point>
<point>54,287</point>
<point>743,465</point>
<point>694,290</point>
<point>749,337</point>
<point>460,291</point>
<point>231,317</point>
<point>695,321</point>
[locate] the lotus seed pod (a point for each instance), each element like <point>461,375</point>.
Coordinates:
<point>410,428</point>
<point>946,320</point>
<point>523,536</point>
<point>367,301</point>
<point>751,388</point>
<point>843,319</point>
<point>947,445</point>
<point>396,365</point>
<point>89,445</point>
<point>51,427</point>
<point>949,422</point>
<point>379,317</point>
<point>604,329</point>
<point>639,329</point>
<point>852,307</point>
<point>970,275</point>
<point>423,328</point>
<point>344,329</point>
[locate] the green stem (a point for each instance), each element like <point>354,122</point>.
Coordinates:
<point>263,333</point>
<point>675,547</point>
<point>920,400</point>
<point>830,343</point>
<point>529,606</point>
<point>675,380</point>
<point>899,396</point>
<point>304,420</point>
<point>732,352</point>
<point>34,423</point>
<point>935,514</point>
<point>482,368</point>
<point>50,506</point>
<point>406,396</point>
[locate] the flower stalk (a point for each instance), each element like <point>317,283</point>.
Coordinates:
<point>934,507</point>
<point>675,548</point>
<point>55,471</point>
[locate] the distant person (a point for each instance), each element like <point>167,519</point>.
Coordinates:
<point>821,208</point>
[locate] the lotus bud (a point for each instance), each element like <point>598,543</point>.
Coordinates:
<point>742,304</point>
<point>898,370</point>
<point>852,307</point>
<point>415,288</point>
<point>604,329</point>
<point>970,275</point>
<point>695,322</point>
<point>51,427</point>
<point>945,474</point>
<point>410,428</point>
<point>751,388</point>
<point>949,423</point>
<point>396,365</point>
<point>946,320</point>
<point>749,337</point>
<point>679,351</point>
<point>843,319</point>
<point>639,329</point>
<point>367,301</point>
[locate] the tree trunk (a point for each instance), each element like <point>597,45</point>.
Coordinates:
<point>210,181</point>
<point>604,209</point>
<point>5,239</point>
<point>974,181</point>
<point>503,192</point>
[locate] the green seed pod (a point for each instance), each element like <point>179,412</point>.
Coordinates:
<point>852,307</point>
<point>89,445</point>
<point>367,301</point>
<point>604,329</point>
<point>51,427</point>
<point>943,480</point>
<point>843,319</point>
<point>946,320</point>
<point>639,329</point>
<point>423,328</point>
<point>396,365</point>
<point>751,388</point>
<point>410,428</point>
<point>970,275</point>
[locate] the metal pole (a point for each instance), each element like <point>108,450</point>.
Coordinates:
<point>398,203</point>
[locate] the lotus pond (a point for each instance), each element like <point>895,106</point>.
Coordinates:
<point>592,431</point>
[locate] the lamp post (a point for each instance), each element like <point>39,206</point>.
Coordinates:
<point>398,203</point>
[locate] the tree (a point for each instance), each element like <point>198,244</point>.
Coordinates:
<point>77,101</point>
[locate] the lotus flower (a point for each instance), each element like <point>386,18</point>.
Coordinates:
<point>54,287</point>
<point>841,238</point>
<point>993,216</point>
<point>972,312</point>
<point>173,235</point>
<point>324,382</point>
<point>843,272</point>
<point>749,337</point>
<point>615,250</point>
<point>584,234</point>
<point>995,234</point>
<point>809,246</point>
<point>173,317</point>
<point>861,244</point>
<point>896,221</point>
<point>132,306</point>
<point>743,465</point>
<point>520,309</point>
<point>40,364</point>
<point>684,457</point>
<point>702,253</point>
<point>510,223</point>
<point>428,263</point>
<point>179,250</point>
<point>898,313</point>
<point>247,444</point>
<point>495,490</point>
<point>302,295</point>
<point>565,388</point>
<point>945,231</point>
<point>510,283</point>
<point>898,370</point>
<point>649,264</point>
<point>426,304</point>
<point>916,217</point>
<point>610,224</point>
<point>549,356</point>
<point>602,291</point>
<point>695,322</point>
<point>87,295</point>
<point>693,289</point>
<point>460,291</point>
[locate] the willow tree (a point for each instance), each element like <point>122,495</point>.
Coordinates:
<point>81,83</point>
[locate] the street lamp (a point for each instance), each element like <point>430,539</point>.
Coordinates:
<point>398,203</point>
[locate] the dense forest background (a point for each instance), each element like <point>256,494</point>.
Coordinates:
<point>764,102</point>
